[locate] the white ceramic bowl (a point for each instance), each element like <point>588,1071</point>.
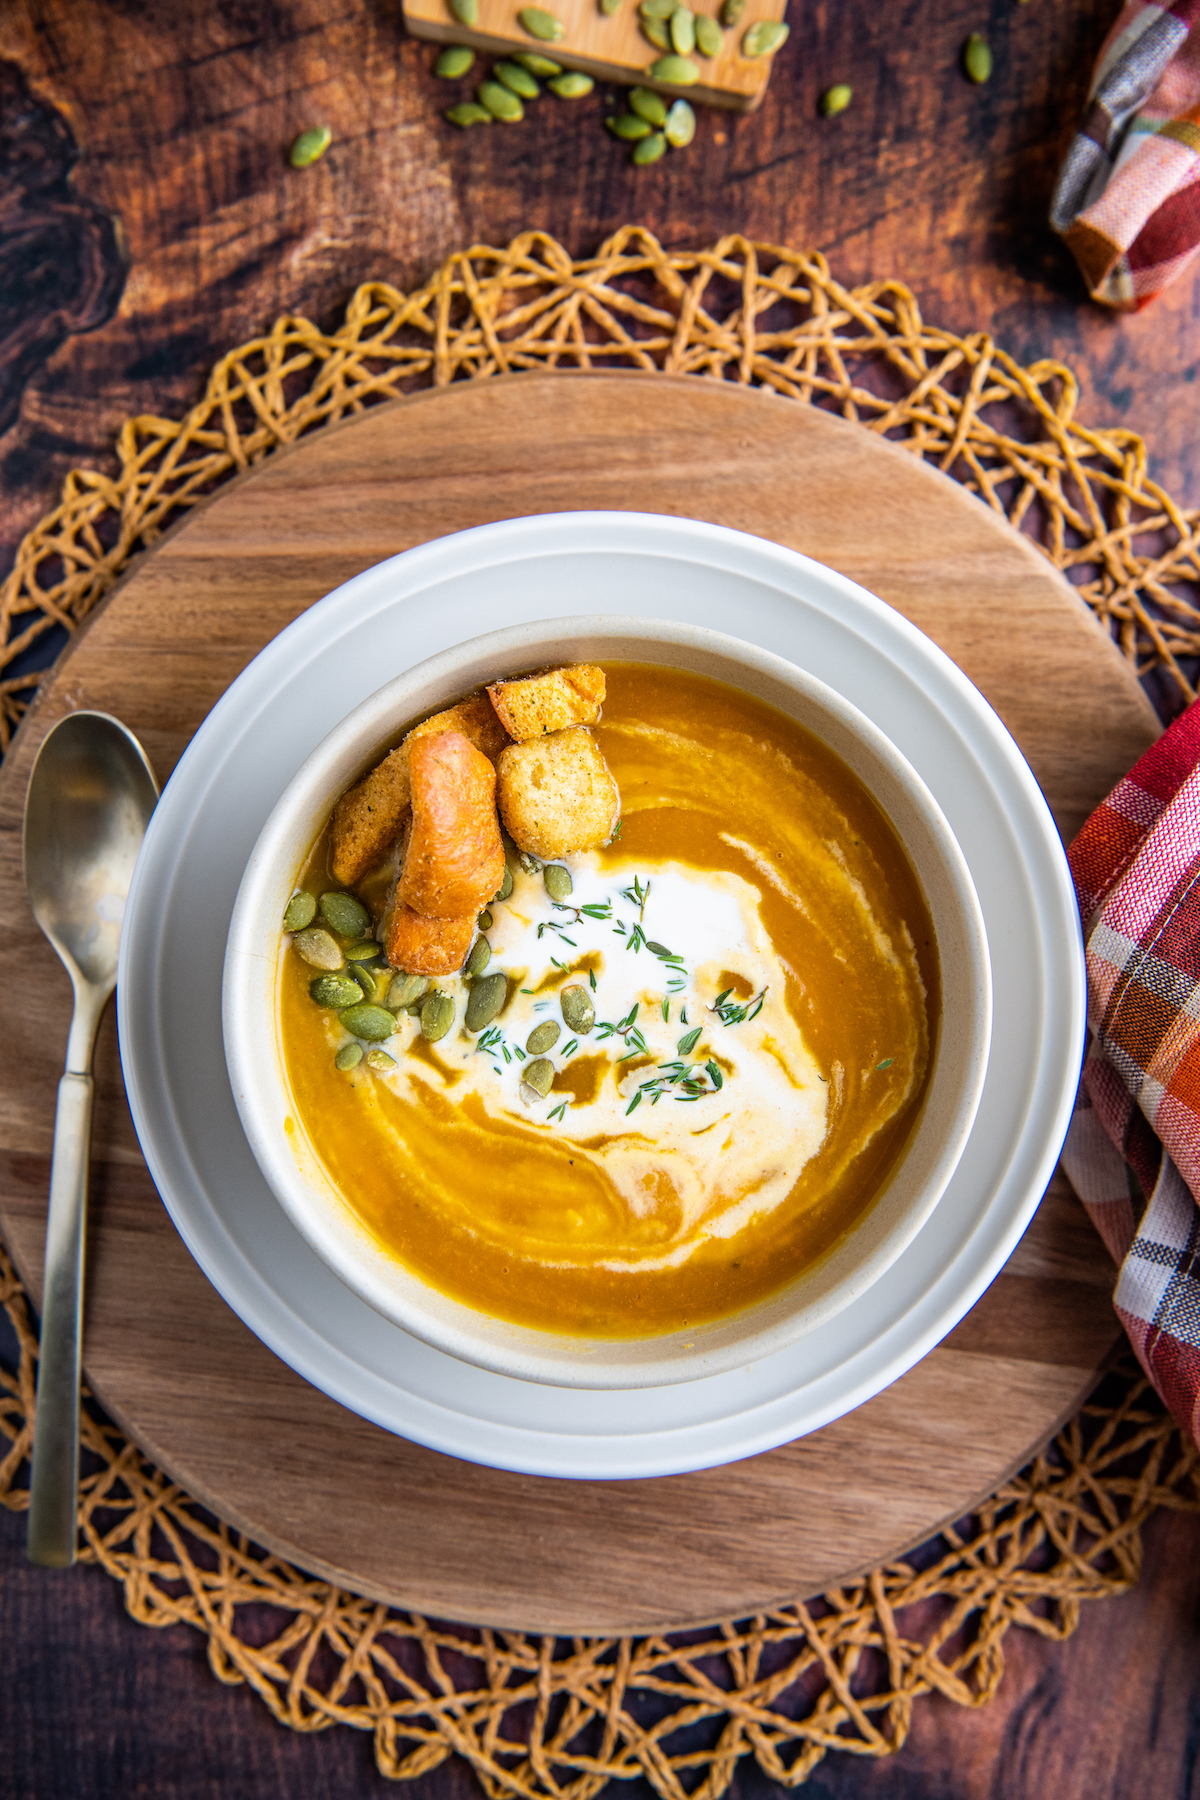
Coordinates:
<point>315,1206</point>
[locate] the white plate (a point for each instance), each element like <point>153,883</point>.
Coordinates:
<point>241,759</point>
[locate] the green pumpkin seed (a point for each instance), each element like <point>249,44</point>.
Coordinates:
<point>405,990</point>
<point>650,149</point>
<point>370,1022</point>
<point>609,7</point>
<point>345,915</point>
<point>648,105</point>
<point>764,37</point>
<point>731,12</point>
<point>485,1000</point>
<point>363,979</point>
<point>468,112</point>
<point>465,11</point>
<point>335,991</point>
<point>977,58</point>
<point>348,1057</point>
<point>577,1009</point>
<point>835,100</point>
<point>558,881</point>
<point>541,24</point>
<point>682,26</point>
<point>676,71</point>
<point>543,1037</point>
<point>530,863</point>
<point>539,1076</point>
<point>317,948</point>
<point>505,888</point>
<point>301,910</point>
<point>519,80</point>
<point>480,957</point>
<point>437,1016</point>
<point>310,146</point>
<point>454,62</point>
<point>538,65</point>
<point>680,128</point>
<point>572,86</point>
<point>368,951</point>
<point>655,30</point>
<point>501,102</point>
<point>708,36</point>
<point>485,920</point>
<point>657,9</point>
<point>379,1059</point>
<point>629,127</point>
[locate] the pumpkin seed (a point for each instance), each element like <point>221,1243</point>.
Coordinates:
<point>437,1016</point>
<point>577,1009</point>
<point>335,990</point>
<point>708,35</point>
<point>363,979</point>
<point>609,7</point>
<point>572,86</point>
<point>682,26</point>
<point>648,105</point>
<point>558,881</point>
<point>485,1000</point>
<point>629,127</point>
<point>501,102</point>
<point>731,12</point>
<point>680,127</point>
<point>348,1057</point>
<point>300,911</point>
<point>764,37</point>
<point>480,957</point>
<point>370,1022</point>
<point>518,79</point>
<point>505,888</point>
<point>529,862</point>
<point>977,58</point>
<point>454,62</point>
<point>344,914</point>
<point>541,24</point>
<point>543,1037</point>
<point>406,989</point>
<point>650,149</point>
<point>310,146</point>
<point>379,1059</point>
<point>317,948</point>
<point>655,30</point>
<point>676,71</point>
<point>468,112</point>
<point>657,9</point>
<point>485,920</point>
<point>465,11</point>
<point>835,100</point>
<point>538,65</point>
<point>368,951</point>
<point>537,1075</point>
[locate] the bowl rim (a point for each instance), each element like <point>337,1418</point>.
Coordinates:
<point>259,1082</point>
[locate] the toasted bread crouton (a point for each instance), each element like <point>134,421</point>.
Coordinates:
<point>557,793</point>
<point>367,820</point>
<point>454,859</point>
<point>425,946</point>
<point>543,703</point>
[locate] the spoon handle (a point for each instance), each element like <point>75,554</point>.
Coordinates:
<point>51,1534</point>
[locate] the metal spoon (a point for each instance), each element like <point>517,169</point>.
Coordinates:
<point>89,799</point>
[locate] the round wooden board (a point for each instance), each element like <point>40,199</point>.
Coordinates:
<point>172,1363</point>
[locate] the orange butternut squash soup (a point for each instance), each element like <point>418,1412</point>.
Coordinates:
<point>700,1047</point>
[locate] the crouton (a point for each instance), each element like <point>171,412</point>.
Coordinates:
<point>425,946</point>
<point>367,820</point>
<point>557,793</point>
<point>454,858</point>
<point>540,704</point>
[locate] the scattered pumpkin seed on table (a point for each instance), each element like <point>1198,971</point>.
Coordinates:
<point>301,910</point>
<point>405,990</point>
<point>310,146</point>
<point>344,914</point>
<point>335,991</point>
<point>680,127</point>
<point>465,11</point>
<point>485,1000</point>
<point>348,1057</point>
<point>657,9</point>
<point>648,105</point>
<point>609,7</point>
<point>541,66</point>
<point>480,957</point>
<point>317,948</point>
<point>649,149</point>
<point>708,35</point>
<point>468,113</point>
<point>682,26</point>
<point>541,24</point>
<point>835,99</point>
<point>437,1016</point>
<point>764,37</point>
<point>518,79</point>
<point>371,1022</point>
<point>571,86</point>
<point>977,58</point>
<point>655,31</point>
<point>676,71</point>
<point>629,127</point>
<point>543,1037</point>
<point>454,62</point>
<point>501,102</point>
<point>731,12</point>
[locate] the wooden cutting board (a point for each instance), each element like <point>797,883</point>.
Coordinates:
<point>174,1365</point>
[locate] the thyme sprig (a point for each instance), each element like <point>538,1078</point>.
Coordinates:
<point>688,1078</point>
<point>730,1013</point>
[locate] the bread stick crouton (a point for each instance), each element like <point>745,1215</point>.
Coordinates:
<point>425,946</point>
<point>557,793</point>
<point>454,859</point>
<point>540,704</point>
<point>367,820</point>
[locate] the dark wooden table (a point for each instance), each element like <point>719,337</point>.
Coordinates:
<point>149,221</point>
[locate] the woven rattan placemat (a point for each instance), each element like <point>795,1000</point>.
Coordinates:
<point>545,1716</point>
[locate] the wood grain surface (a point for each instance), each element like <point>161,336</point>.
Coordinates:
<point>169,1359</point>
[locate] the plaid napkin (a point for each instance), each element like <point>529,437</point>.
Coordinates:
<point>1136,1128</point>
<point>1128,197</point>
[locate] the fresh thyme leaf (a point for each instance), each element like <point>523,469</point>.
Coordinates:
<point>567,940</point>
<point>507,1057</point>
<point>629,1018</point>
<point>714,1074</point>
<point>597,910</point>
<point>529,990</point>
<point>886,1063</point>
<point>558,1111</point>
<point>636,1101</point>
<point>592,979</point>
<point>683,1019</point>
<point>570,1049</point>
<point>666,1011</point>
<point>635,1037</point>
<point>637,938</point>
<point>559,965</point>
<point>721,999</point>
<point>518,1053</point>
<point>688,1043</point>
<point>628,1054</point>
<point>616,830</point>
